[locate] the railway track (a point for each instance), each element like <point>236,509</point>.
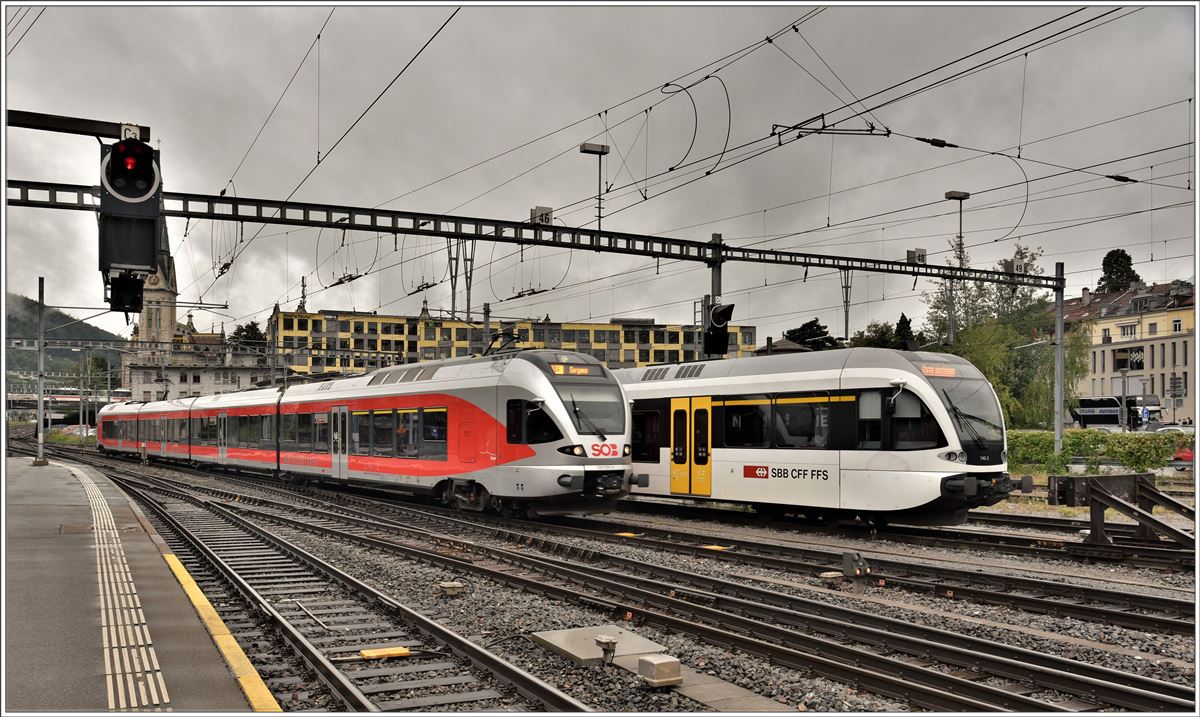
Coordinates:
<point>370,652</point>
<point>1114,607</point>
<point>1127,549</point>
<point>736,615</point>
<point>941,670</point>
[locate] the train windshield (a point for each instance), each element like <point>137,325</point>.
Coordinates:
<point>594,409</point>
<point>973,408</point>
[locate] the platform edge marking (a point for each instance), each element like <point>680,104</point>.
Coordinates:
<point>256,691</point>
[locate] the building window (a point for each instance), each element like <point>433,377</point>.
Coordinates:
<point>1151,383</point>
<point>1106,333</point>
<point>539,335</point>
<point>672,337</point>
<point>344,326</point>
<point>1093,365</point>
<point>748,336</point>
<point>628,355</point>
<point>1185,353</point>
<point>1174,356</point>
<point>1102,367</point>
<point>1177,325</point>
<point>1101,386</point>
<point>568,335</point>
<point>287,324</point>
<point>372,327</point>
<point>302,324</point>
<point>644,355</point>
<point>660,337</point>
<point>660,356</point>
<point>630,337</point>
<point>316,325</point>
<point>1129,331</point>
<point>1093,387</point>
<point>689,355</point>
<point>460,334</point>
<point>1152,328</point>
<point>446,334</point>
<point>1151,361</point>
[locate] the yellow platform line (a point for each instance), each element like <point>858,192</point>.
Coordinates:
<point>256,691</point>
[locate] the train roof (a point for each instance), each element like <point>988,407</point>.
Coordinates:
<point>833,360</point>
<point>234,399</point>
<point>444,370</point>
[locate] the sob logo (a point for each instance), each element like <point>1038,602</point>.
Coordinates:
<point>605,450</point>
<point>755,471</point>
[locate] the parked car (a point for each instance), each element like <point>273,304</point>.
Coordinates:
<point>1177,429</point>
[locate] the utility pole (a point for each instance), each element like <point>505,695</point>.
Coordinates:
<point>1059,358</point>
<point>40,460</point>
<point>1124,412</point>
<point>959,197</point>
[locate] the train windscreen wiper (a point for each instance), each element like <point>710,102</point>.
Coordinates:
<point>579,412</point>
<point>963,422</point>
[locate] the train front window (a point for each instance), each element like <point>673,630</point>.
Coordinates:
<point>973,408</point>
<point>594,409</point>
<point>913,426</point>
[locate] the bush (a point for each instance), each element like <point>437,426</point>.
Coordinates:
<point>68,439</point>
<point>1138,452</point>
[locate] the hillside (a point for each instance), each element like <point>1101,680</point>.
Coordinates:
<point>22,323</point>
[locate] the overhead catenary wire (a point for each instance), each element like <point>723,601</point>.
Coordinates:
<point>736,57</point>
<point>26,32</point>
<point>351,128</point>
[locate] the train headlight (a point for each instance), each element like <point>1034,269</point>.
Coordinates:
<point>1004,456</point>
<point>628,450</point>
<point>573,450</point>
<point>962,457</point>
<point>951,456</point>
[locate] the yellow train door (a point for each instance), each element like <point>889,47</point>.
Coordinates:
<point>691,446</point>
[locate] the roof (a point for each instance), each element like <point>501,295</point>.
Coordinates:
<point>1137,299</point>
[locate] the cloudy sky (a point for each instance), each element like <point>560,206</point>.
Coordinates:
<point>487,121</point>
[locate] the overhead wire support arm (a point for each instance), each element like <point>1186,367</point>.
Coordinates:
<point>307,214</point>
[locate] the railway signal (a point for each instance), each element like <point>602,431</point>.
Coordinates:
<point>716,329</point>
<point>130,211</point>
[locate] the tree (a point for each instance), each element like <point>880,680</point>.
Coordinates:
<point>1118,272</point>
<point>247,334</point>
<point>813,335</point>
<point>972,304</point>
<point>878,334</point>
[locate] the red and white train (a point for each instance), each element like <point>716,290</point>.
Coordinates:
<point>534,432</point>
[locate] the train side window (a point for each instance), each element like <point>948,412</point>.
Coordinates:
<point>360,433</point>
<point>433,434</point>
<point>745,420</point>
<point>801,421</point>
<point>304,432</point>
<point>647,436</point>
<point>913,426</point>
<point>870,420</point>
<point>700,423</point>
<point>408,424</point>
<point>287,432</point>
<point>515,420</point>
<point>247,432</point>
<point>529,423</point>
<point>383,433</point>
<point>679,437</point>
<point>266,433</point>
<point>320,432</point>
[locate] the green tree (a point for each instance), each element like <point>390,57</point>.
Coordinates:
<point>972,301</point>
<point>1118,272</point>
<point>904,333</point>
<point>878,334</point>
<point>813,335</point>
<point>1008,335</point>
<point>248,334</point>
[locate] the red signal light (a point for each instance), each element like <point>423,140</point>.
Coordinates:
<point>130,163</point>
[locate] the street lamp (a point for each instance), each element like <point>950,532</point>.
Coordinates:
<point>959,197</point>
<point>599,150</point>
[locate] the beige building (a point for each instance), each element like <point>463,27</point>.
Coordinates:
<point>167,359</point>
<point>353,342</point>
<point>1144,336</point>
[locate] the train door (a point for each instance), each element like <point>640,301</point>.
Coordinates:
<point>222,437</point>
<point>339,442</point>
<point>691,446</point>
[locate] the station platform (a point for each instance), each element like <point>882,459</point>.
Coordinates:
<point>95,618</point>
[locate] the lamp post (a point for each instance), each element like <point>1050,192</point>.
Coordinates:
<point>599,150</point>
<point>959,197</point>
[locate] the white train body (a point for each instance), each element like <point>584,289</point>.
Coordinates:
<point>874,433</point>
<point>543,432</point>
